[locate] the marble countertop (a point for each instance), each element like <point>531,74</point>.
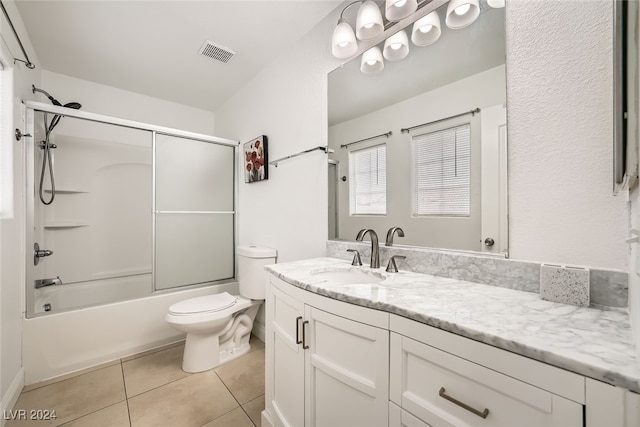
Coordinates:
<point>591,342</point>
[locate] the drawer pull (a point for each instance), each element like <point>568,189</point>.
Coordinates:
<point>482,414</point>
<point>304,336</point>
<point>298,319</point>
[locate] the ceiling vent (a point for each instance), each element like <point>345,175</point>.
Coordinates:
<point>215,51</point>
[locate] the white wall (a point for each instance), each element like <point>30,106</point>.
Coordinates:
<point>560,88</point>
<point>111,101</point>
<point>287,102</point>
<point>481,90</point>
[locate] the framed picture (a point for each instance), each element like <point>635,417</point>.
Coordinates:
<point>256,160</point>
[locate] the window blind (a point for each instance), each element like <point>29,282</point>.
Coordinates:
<point>368,181</point>
<point>442,170</point>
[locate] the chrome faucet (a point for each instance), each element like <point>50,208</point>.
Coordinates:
<point>375,248</point>
<point>41,283</point>
<point>390,234</point>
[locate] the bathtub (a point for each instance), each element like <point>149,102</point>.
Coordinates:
<point>59,343</point>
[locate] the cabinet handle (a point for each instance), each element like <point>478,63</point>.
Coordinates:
<point>298,319</point>
<point>482,414</point>
<point>304,336</point>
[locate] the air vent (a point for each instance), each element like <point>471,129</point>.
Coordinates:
<point>218,52</point>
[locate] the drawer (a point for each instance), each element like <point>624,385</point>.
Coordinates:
<point>445,390</point>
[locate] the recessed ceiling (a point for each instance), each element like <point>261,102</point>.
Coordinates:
<point>153,47</point>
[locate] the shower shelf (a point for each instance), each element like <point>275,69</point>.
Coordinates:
<point>53,225</point>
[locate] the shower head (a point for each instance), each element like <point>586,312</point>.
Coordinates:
<point>56,118</point>
<point>74,105</point>
<point>54,101</point>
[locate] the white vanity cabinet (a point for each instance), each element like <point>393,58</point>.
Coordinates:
<point>334,364</point>
<point>327,362</point>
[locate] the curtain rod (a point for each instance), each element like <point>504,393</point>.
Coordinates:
<point>388,134</point>
<point>326,149</point>
<point>472,112</point>
<point>28,62</point>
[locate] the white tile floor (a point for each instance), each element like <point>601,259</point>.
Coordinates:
<point>151,390</point>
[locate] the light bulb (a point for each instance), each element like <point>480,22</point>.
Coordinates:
<point>461,10</point>
<point>396,47</point>
<point>425,29</point>
<point>372,62</point>
<point>368,21</point>
<point>462,13</point>
<point>395,10</point>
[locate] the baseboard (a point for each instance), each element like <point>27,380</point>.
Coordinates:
<point>265,419</point>
<point>11,396</point>
<point>259,331</point>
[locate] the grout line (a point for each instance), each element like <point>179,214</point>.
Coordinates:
<point>234,397</point>
<point>90,413</point>
<point>126,395</point>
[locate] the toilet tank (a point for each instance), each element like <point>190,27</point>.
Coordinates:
<point>252,277</point>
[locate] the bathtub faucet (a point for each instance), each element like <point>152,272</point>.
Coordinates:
<point>41,283</point>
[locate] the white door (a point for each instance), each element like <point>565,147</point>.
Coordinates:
<point>347,372</point>
<point>284,359</point>
<point>494,179</point>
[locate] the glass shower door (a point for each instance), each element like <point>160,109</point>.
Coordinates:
<point>194,212</point>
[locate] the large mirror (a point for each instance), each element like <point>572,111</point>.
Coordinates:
<point>422,144</point>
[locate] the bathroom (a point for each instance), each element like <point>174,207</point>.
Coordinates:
<point>561,206</point>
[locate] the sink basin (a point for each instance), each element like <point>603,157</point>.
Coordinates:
<point>351,276</point>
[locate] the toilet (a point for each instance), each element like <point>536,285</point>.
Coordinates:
<point>218,326</point>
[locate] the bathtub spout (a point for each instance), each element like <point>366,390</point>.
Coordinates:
<point>41,283</point>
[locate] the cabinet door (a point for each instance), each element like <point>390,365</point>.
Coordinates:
<point>347,372</point>
<point>398,417</point>
<point>445,390</point>
<point>284,359</point>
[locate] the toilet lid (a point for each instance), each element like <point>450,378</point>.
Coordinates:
<point>205,304</point>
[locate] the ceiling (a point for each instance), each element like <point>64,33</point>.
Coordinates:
<point>152,47</point>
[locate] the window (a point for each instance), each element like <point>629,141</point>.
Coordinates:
<point>368,181</point>
<point>442,168</point>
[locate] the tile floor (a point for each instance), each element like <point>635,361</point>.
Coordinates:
<point>150,390</point>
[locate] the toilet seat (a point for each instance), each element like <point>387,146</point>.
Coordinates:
<point>203,305</point>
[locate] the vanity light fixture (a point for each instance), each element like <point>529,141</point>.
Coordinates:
<point>462,13</point>
<point>396,47</point>
<point>395,10</point>
<point>372,61</point>
<point>495,3</point>
<point>369,21</point>
<point>426,30</point>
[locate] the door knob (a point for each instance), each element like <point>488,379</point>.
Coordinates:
<point>489,241</point>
